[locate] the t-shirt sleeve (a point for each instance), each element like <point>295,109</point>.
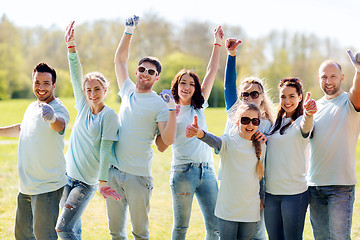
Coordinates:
<point>127,88</point>
<point>110,126</point>
<point>163,113</point>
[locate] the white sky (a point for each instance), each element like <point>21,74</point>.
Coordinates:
<point>336,19</point>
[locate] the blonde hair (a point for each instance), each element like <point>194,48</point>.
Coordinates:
<point>257,145</point>
<point>98,76</point>
<point>266,106</point>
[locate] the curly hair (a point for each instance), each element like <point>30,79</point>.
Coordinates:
<point>197,100</point>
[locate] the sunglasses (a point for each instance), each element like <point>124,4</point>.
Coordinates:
<point>151,72</point>
<point>253,94</point>
<point>247,120</point>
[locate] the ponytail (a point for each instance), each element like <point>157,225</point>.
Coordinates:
<point>259,166</point>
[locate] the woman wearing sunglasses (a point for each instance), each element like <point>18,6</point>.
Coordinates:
<point>192,167</point>
<point>88,157</point>
<point>286,190</point>
<point>251,90</point>
<point>238,202</point>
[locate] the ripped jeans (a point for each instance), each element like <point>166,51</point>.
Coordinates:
<point>187,180</point>
<point>76,197</point>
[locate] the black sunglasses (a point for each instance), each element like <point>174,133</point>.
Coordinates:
<point>247,120</point>
<point>151,72</point>
<point>253,94</point>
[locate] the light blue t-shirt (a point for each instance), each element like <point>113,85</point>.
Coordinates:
<point>286,160</point>
<point>138,116</point>
<point>83,155</point>
<point>238,198</point>
<point>188,150</point>
<point>41,151</point>
<point>333,145</point>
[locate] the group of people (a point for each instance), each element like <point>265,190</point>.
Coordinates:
<point>267,177</point>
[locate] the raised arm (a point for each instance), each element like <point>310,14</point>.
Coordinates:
<point>307,122</point>
<point>230,73</point>
<point>74,61</point>
<point>10,131</point>
<point>213,65</point>
<point>354,92</point>
<point>123,50</point>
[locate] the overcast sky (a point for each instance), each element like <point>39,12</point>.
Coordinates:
<point>325,18</point>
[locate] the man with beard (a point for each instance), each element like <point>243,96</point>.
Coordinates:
<point>332,175</point>
<point>142,114</point>
<point>40,158</point>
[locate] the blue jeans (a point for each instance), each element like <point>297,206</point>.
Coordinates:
<point>285,215</point>
<point>136,192</point>
<point>230,230</point>
<point>185,181</point>
<point>331,209</point>
<point>260,232</point>
<point>76,197</point>
<point>36,215</point>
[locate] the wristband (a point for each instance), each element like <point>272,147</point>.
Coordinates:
<point>217,44</point>
<point>129,30</point>
<point>71,46</point>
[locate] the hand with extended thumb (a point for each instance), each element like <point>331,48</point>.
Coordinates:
<point>309,105</point>
<point>193,130</point>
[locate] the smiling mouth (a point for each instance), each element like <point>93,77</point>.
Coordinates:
<point>42,93</point>
<point>249,130</point>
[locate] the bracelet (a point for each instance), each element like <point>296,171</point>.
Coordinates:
<point>217,44</point>
<point>71,46</point>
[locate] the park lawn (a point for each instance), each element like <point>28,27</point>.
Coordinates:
<point>94,218</point>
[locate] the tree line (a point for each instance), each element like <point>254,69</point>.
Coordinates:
<point>272,56</point>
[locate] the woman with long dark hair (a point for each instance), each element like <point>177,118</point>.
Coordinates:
<point>286,190</point>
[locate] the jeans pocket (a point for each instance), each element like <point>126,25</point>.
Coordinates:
<point>147,182</point>
<point>182,168</point>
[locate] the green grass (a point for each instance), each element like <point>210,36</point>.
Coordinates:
<point>94,218</point>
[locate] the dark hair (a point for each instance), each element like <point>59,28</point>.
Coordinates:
<point>152,60</point>
<point>295,83</point>
<point>45,68</point>
<point>197,100</point>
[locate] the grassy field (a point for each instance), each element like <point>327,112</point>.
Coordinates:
<point>94,218</point>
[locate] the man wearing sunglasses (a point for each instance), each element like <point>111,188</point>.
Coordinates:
<point>332,175</point>
<point>142,114</point>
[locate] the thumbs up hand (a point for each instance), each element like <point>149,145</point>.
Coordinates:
<point>354,59</point>
<point>193,130</point>
<point>309,105</point>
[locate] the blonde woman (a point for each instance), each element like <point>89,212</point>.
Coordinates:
<point>88,158</point>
